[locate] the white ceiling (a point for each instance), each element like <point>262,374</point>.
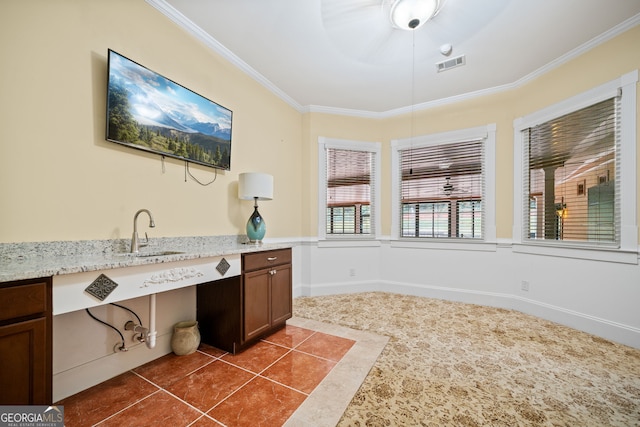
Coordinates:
<point>344,56</point>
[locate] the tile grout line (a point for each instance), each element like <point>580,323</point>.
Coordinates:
<point>251,379</point>
<point>195,370</point>
<point>190,405</point>
<point>185,376</point>
<point>259,374</point>
<point>205,416</point>
<point>324,358</point>
<point>264,378</point>
<point>239,367</point>
<point>284,385</point>
<point>295,348</point>
<point>224,353</point>
<point>289,350</point>
<point>233,392</point>
<point>214,358</point>
<point>129,406</point>
<point>275,361</point>
<point>297,345</point>
<point>308,338</point>
<point>202,413</point>
<point>335,363</point>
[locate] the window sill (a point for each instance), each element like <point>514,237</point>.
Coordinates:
<point>593,254</point>
<point>446,245</point>
<point>348,243</point>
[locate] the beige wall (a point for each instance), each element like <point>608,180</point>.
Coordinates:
<point>60,180</point>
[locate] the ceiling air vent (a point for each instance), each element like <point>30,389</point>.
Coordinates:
<point>450,63</point>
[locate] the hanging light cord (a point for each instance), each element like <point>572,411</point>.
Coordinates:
<point>413,78</point>
<point>413,101</point>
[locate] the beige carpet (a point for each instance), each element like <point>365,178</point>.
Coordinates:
<point>454,364</point>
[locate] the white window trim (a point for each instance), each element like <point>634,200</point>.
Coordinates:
<point>370,147</point>
<point>488,133</point>
<point>628,218</point>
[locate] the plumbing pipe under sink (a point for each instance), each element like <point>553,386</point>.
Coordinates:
<point>148,336</point>
<point>138,329</point>
<point>151,341</point>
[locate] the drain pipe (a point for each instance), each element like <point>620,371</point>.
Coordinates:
<point>151,337</point>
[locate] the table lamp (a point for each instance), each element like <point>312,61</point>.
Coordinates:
<point>256,186</point>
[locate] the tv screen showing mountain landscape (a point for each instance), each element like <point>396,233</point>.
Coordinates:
<point>150,112</point>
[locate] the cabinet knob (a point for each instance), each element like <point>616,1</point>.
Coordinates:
<point>272,272</point>
<point>272,258</point>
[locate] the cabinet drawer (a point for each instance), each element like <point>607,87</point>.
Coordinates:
<point>265,259</point>
<point>23,300</point>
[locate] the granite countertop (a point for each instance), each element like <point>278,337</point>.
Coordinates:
<point>43,259</point>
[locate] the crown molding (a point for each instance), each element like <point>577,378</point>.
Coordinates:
<point>182,21</point>
<point>572,54</point>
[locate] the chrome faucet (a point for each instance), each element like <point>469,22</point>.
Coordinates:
<point>135,243</point>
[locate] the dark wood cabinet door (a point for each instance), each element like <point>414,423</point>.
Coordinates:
<point>234,316</point>
<point>281,294</point>
<point>257,307</point>
<point>23,363</point>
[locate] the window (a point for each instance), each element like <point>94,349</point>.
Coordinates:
<point>441,184</point>
<point>570,175</point>
<point>576,184</point>
<point>348,189</point>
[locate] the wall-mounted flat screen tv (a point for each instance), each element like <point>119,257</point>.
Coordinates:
<point>150,112</point>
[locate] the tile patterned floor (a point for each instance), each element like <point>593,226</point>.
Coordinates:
<point>263,386</point>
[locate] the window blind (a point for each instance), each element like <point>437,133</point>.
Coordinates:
<point>350,191</point>
<point>571,176</point>
<point>442,189</point>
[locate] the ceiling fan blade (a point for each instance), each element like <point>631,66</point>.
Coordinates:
<point>347,12</point>
<point>361,29</point>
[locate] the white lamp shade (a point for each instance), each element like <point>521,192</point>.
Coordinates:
<point>255,184</point>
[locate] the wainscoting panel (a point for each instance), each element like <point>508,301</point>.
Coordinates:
<point>599,297</point>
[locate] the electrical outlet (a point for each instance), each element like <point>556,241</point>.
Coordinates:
<point>524,285</point>
<point>352,272</point>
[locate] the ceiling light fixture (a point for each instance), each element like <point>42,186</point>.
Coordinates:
<point>412,14</point>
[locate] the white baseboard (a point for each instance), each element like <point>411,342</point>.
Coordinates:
<point>612,331</point>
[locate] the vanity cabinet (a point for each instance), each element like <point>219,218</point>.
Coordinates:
<point>235,312</point>
<point>25,342</point>
<point>267,291</point>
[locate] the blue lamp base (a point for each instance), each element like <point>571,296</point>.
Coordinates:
<point>256,227</point>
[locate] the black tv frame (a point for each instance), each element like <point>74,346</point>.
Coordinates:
<point>150,112</point>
